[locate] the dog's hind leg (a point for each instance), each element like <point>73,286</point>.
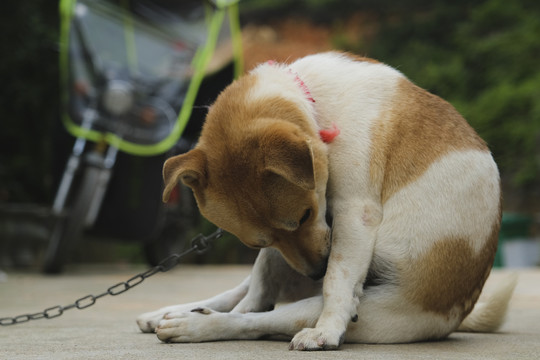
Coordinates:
<point>385,316</point>
<point>206,325</point>
<point>273,280</point>
<point>225,301</point>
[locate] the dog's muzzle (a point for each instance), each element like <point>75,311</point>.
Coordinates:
<point>320,272</point>
<point>321,269</point>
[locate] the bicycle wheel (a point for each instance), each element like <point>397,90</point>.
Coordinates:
<point>69,226</point>
<point>180,218</point>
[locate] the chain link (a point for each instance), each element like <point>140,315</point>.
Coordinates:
<point>199,243</point>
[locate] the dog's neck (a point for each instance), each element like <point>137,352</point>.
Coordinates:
<point>302,85</point>
<point>297,80</point>
<point>327,135</point>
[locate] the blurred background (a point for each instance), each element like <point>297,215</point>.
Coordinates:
<point>481,56</point>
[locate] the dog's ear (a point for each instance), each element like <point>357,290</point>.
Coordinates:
<point>188,168</point>
<point>291,157</point>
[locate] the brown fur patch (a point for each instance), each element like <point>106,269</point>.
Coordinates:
<point>234,113</point>
<point>449,275</point>
<point>234,133</point>
<point>419,129</point>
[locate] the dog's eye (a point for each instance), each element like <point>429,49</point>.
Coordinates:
<point>305,217</point>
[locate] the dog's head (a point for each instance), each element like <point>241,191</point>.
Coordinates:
<point>259,173</point>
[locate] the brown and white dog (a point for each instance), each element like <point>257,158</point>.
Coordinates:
<point>412,192</point>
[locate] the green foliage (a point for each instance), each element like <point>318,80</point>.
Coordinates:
<point>483,58</point>
<point>28,98</point>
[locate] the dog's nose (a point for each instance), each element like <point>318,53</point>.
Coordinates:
<point>320,272</point>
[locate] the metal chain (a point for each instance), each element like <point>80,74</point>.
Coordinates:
<point>199,243</point>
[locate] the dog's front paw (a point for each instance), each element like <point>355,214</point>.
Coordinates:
<point>200,324</point>
<point>317,339</point>
<point>148,321</point>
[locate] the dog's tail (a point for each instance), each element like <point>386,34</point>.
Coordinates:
<point>488,315</point>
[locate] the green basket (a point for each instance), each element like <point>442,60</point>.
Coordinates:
<point>513,226</point>
<point>215,17</point>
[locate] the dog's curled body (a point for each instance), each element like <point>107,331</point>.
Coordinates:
<point>413,192</point>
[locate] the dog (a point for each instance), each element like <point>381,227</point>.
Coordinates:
<point>374,204</point>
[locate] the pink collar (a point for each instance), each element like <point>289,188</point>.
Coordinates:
<point>327,135</point>
<point>298,81</point>
<point>302,85</point>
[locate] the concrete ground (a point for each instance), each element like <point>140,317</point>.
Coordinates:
<point>107,330</point>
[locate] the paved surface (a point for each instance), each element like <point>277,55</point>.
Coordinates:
<point>107,330</point>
